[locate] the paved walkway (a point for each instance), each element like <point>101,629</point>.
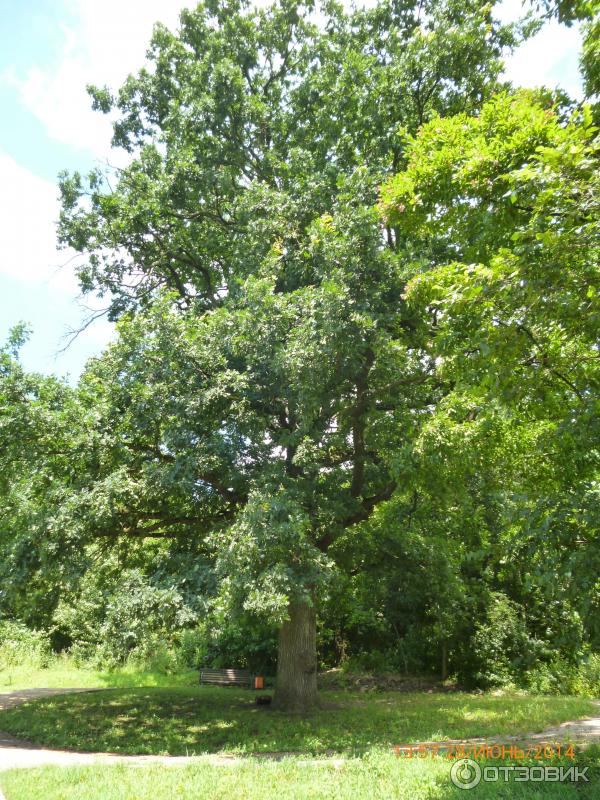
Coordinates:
<point>17,753</point>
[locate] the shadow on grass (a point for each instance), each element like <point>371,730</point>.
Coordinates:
<point>191,721</point>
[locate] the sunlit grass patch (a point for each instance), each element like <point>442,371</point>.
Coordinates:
<point>63,673</point>
<point>377,776</point>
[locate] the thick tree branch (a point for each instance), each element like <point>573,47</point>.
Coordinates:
<point>368,505</point>
<point>358,416</point>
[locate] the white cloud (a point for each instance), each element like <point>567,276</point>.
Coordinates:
<point>549,59</point>
<point>29,209</point>
<point>60,101</point>
<point>510,10</point>
<point>108,42</point>
<point>105,42</point>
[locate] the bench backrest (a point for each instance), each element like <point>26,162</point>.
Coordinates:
<point>239,676</point>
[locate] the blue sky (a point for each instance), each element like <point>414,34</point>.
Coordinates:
<point>49,51</point>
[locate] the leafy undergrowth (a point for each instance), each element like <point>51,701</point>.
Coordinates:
<point>381,682</point>
<point>188,721</point>
<point>379,776</point>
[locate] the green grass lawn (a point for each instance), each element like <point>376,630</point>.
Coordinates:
<point>195,720</point>
<point>156,713</point>
<point>378,776</point>
<point>62,673</point>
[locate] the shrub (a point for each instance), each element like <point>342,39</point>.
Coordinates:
<point>154,655</point>
<point>562,676</point>
<point>243,641</point>
<point>19,645</point>
<point>133,620</point>
<point>193,646</point>
<point>502,648</point>
<point>374,661</point>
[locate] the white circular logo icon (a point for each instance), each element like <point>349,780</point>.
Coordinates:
<point>465,773</point>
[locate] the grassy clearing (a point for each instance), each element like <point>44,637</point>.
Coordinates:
<point>63,674</point>
<point>188,721</point>
<point>379,776</point>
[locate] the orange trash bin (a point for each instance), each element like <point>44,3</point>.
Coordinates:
<point>259,682</point>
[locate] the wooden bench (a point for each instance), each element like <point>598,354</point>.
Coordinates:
<point>226,677</point>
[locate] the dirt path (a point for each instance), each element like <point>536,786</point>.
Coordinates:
<point>17,753</point>
<point>580,732</point>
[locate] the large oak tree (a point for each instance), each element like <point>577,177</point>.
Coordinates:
<point>269,380</point>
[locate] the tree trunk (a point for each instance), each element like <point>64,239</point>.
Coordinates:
<point>444,661</point>
<point>296,687</point>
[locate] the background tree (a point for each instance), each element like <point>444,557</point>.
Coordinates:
<point>503,210</point>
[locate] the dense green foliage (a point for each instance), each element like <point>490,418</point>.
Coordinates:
<point>356,284</point>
